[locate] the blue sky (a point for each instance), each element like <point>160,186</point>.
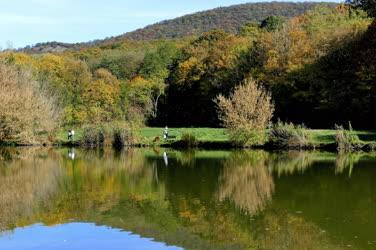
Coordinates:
<point>26,22</point>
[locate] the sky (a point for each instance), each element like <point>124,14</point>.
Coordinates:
<point>27,22</point>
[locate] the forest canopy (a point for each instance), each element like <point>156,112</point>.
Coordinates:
<point>319,68</point>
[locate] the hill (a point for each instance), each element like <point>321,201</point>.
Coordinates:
<point>229,19</point>
<point>319,68</point>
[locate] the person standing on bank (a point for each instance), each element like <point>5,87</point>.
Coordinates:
<point>72,133</point>
<point>165,133</point>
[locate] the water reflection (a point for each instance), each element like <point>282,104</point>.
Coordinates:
<point>71,154</point>
<point>27,178</point>
<point>283,230</point>
<point>292,162</point>
<point>165,158</point>
<point>246,181</point>
<point>202,200</point>
<point>70,236</point>
<point>346,161</point>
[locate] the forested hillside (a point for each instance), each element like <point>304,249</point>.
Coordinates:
<point>319,67</point>
<point>306,63</point>
<point>229,19</point>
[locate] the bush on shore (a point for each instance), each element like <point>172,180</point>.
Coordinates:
<point>346,140</point>
<point>189,140</point>
<point>118,135</point>
<point>289,136</point>
<point>93,136</point>
<point>122,135</point>
<point>246,113</point>
<point>27,114</point>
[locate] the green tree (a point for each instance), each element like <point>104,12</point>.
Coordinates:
<point>368,5</point>
<point>205,68</point>
<point>272,23</point>
<point>156,63</point>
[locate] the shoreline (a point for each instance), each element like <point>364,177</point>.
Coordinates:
<point>208,139</point>
<point>179,145</point>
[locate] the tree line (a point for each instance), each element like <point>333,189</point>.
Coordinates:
<point>319,68</point>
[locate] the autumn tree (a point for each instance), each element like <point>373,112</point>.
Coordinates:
<point>100,97</point>
<point>124,64</point>
<point>272,23</point>
<point>205,68</point>
<point>26,112</point>
<point>246,113</point>
<point>137,99</point>
<point>252,30</point>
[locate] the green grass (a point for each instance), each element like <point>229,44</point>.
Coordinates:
<point>327,136</point>
<point>202,134</point>
<point>147,135</point>
<point>62,135</point>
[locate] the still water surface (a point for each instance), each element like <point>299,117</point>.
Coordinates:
<point>169,200</point>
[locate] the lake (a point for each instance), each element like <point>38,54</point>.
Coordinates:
<point>171,200</point>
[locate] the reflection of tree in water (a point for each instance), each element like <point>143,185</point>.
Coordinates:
<point>287,163</point>
<point>65,188</point>
<point>346,161</point>
<point>107,176</point>
<point>246,181</point>
<point>6,154</point>
<point>186,158</point>
<point>29,178</point>
<point>109,162</point>
<point>279,230</point>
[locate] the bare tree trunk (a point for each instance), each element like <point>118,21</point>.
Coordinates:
<point>154,111</point>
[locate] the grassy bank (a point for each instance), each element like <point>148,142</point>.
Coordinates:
<point>154,136</point>
<point>217,137</point>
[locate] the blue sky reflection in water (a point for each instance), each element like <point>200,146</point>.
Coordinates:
<point>77,236</point>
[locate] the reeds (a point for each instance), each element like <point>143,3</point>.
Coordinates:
<point>289,136</point>
<point>189,140</point>
<point>346,140</point>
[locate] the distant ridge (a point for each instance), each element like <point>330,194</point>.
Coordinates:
<point>230,19</point>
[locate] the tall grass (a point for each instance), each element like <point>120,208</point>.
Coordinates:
<point>346,140</point>
<point>122,135</point>
<point>189,140</point>
<point>93,136</point>
<point>118,135</point>
<point>289,136</point>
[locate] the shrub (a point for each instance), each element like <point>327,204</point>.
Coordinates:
<point>243,137</point>
<point>288,135</point>
<point>246,113</point>
<point>189,140</point>
<point>93,136</point>
<point>26,111</point>
<point>122,136</point>
<point>346,140</point>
